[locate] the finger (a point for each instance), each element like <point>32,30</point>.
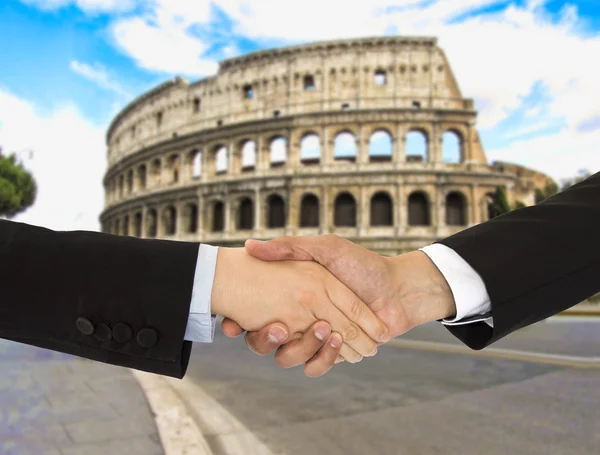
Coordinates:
<point>324,360</point>
<point>300,351</point>
<point>267,339</point>
<point>282,249</point>
<point>339,359</point>
<point>358,312</point>
<point>349,354</point>
<point>231,328</point>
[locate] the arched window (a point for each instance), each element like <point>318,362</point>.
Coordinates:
<point>170,220</point>
<point>174,163</point>
<point>380,146</point>
<point>310,149</point>
<point>130,182</point>
<point>196,161</point>
<point>345,210</point>
<point>276,212</point>
<point>249,155</point>
<point>490,201</point>
<point>245,219</point>
<point>121,185</point>
<point>418,210</point>
<point>156,170</point>
<point>345,147</point>
<point>126,225</point>
<point>309,82</point>
<point>117,226</point>
<point>222,160</point>
<point>382,210</point>
<point>218,220</point>
<point>380,77</point>
<point>451,149</point>
<point>137,224</point>
<point>309,211</point>
<point>141,176</point>
<point>151,224</point>
<point>278,151</point>
<point>191,215</point>
<point>196,105</point>
<point>416,146</point>
<point>456,209</point>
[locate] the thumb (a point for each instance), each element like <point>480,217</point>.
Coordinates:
<point>279,249</point>
<point>231,328</point>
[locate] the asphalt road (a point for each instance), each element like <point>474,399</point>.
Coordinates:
<point>416,401</point>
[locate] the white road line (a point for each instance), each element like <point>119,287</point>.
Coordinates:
<point>508,354</point>
<point>225,434</point>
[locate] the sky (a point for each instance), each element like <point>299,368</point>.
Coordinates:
<point>68,66</point>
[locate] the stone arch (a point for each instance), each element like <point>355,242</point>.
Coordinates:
<point>151,223</point>
<point>248,154</point>
<point>137,224</point>
<point>218,216</point>
<point>380,77</point>
<point>310,148</point>
<point>126,225</point>
<point>381,209</point>
<point>309,211</point>
<point>170,220</point>
<point>245,214</point>
<point>381,145</point>
<point>174,164</point>
<point>309,82</point>
<point>142,176</point>
<point>456,209</point>
<point>344,146</point>
<point>130,181</point>
<point>191,218</point>
<point>344,210</point>
<point>419,213</point>
<point>221,159</point>
<point>452,141</point>
<point>278,151</point>
<point>417,149</point>
<point>195,161</point>
<point>275,211</point>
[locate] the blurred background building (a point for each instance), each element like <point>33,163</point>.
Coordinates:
<point>370,139</point>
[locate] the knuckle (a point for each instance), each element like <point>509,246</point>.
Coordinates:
<point>283,359</point>
<point>351,332</point>
<point>356,309</point>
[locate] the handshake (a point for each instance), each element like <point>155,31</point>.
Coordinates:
<point>321,300</point>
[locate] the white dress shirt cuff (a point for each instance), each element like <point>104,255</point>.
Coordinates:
<point>201,324</point>
<point>470,295</point>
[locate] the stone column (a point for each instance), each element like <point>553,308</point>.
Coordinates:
<point>399,146</point>
<point>204,170</point>
<point>434,145</point>
<point>234,159</point>
<point>258,158</point>
<point>362,146</point>
<point>472,206</point>
<point>362,212</point>
<point>200,215</point>
<point>326,149</point>
<point>401,210</point>
<point>160,231</point>
<point>258,225</point>
<point>228,225</point>
<point>438,210</point>
<point>325,211</point>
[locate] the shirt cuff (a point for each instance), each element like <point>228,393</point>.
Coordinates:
<point>470,295</point>
<point>201,324</point>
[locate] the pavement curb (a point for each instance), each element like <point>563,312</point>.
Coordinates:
<point>179,433</point>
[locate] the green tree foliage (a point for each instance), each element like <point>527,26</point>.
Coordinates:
<point>500,206</point>
<point>17,187</point>
<point>541,194</point>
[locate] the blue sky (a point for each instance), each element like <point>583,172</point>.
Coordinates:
<point>72,64</point>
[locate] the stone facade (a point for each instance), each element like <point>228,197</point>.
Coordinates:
<point>307,140</point>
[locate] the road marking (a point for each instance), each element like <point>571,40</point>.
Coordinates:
<point>179,433</point>
<point>224,433</point>
<point>507,354</point>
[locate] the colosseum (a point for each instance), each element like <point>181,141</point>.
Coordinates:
<point>370,139</point>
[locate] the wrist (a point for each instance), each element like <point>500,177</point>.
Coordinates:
<point>423,291</point>
<point>221,303</point>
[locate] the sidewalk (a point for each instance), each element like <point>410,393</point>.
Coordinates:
<point>55,404</point>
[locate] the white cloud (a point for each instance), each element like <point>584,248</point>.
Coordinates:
<point>88,6</point>
<point>68,162</point>
<point>98,75</point>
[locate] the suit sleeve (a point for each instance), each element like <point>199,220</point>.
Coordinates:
<point>535,262</point>
<point>118,300</point>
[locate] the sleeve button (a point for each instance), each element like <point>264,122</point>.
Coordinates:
<point>103,332</point>
<point>147,337</point>
<point>122,332</point>
<point>85,326</point>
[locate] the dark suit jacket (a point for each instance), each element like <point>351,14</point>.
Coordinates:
<point>535,262</point>
<point>118,300</point>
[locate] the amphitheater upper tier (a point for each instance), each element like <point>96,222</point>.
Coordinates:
<point>238,154</point>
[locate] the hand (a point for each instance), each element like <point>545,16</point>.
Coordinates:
<point>403,291</point>
<point>255,293</point>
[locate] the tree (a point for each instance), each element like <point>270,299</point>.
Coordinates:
<point>582,174</point>
<point>549,190</point>
<point>17,187</point>
<point>500,206</point>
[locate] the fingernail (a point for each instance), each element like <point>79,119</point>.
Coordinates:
<point>336,341</point>
<point>374,352</point>
<point>322,332</point>
<point>277,335</point>
<point>257,241</point>
<point>385,337</point>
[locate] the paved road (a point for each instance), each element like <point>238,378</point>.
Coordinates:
<point>407,401</point>
<point>56,404</point>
